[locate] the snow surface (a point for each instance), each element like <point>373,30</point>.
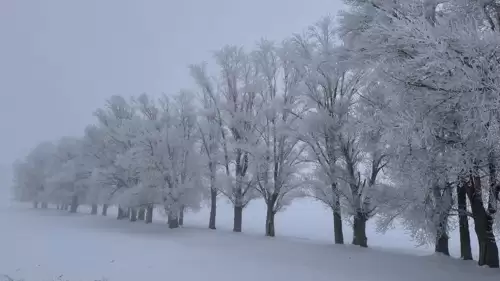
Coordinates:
<point>55,245</point>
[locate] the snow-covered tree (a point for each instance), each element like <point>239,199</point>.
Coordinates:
<point>345,140</point>
<point>20,183</point>
<point>150,113</point>
<point>239,104</point>
<point>69,180</point>
<point>211,133</point>
<point>96,157</point>
<point>277,156</point>
<point>439,61</point>
<point>163,155</point>
<point>328,92</point>
<point>116,119</point>
<point>32,175</point>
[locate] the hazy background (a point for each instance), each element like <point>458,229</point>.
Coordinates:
<point>60,59</point>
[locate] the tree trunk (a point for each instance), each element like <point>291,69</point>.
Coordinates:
<point>337,227</point>
<point>35,204</point>
<point>270,214</point>
<point>238,218</point>
<point>104,210</point>
<point>359,230</point>
<point>337,217</point>
<point>74,204</point>
<point>465,248</point>
<point>44,205</point>
<point>441,245</point>
<point>173,220</point>
<point>483,225</point>
<point>443,206</point>
<point>181,215</point>
<point>121,214</point>
<point>94,209</point>
<point>133,214</point>
<point>213,208</point>
<point>149,214</point>
<point>141,214</point>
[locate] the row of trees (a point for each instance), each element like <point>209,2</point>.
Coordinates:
<point>390,114</point>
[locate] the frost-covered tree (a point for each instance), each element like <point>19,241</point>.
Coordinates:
<point>365,152</point>
<point>116,120</point>
<point>239,104</point>
<point>69,180</point>
<point>20,183</point>
<point>277,156</point>
<point>346,142</point>
<point>439,62</point>
<point>31,175</point>
<point>211,133</point>
<point>95,157</point>
<point>151,118</point>
<point>163,156</point>
<point>328,92</point>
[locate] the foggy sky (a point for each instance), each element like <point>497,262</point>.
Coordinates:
<point>60,59</point>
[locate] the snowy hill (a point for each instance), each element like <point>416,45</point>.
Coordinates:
<point>51,244</point>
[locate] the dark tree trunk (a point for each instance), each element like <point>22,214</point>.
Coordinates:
<point>74,204</point>
<point>149,214</point>
<point>337,217</point>
<point>494,191</point>
<point>44,205</point>
<point>181,215</point>
<point>104,210</point>
<point>443,206</point>
<point>94,209</point>
<point>442,243</point>
<point>359,230</point>
<point>213,208</point>
<point>35,204</point>
<point>270,214</point>
<point>241,170</point>
<point>173,220</point>
<point>238,218</point>
<point>465,248</point>
<point>270,229</point>
<point>337,227</point>
<point>141,214</point>
<point>483,225</point>
<point>121,214</point>
<point>133,214</point>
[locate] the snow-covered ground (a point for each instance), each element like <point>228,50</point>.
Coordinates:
<point>44,245</point>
